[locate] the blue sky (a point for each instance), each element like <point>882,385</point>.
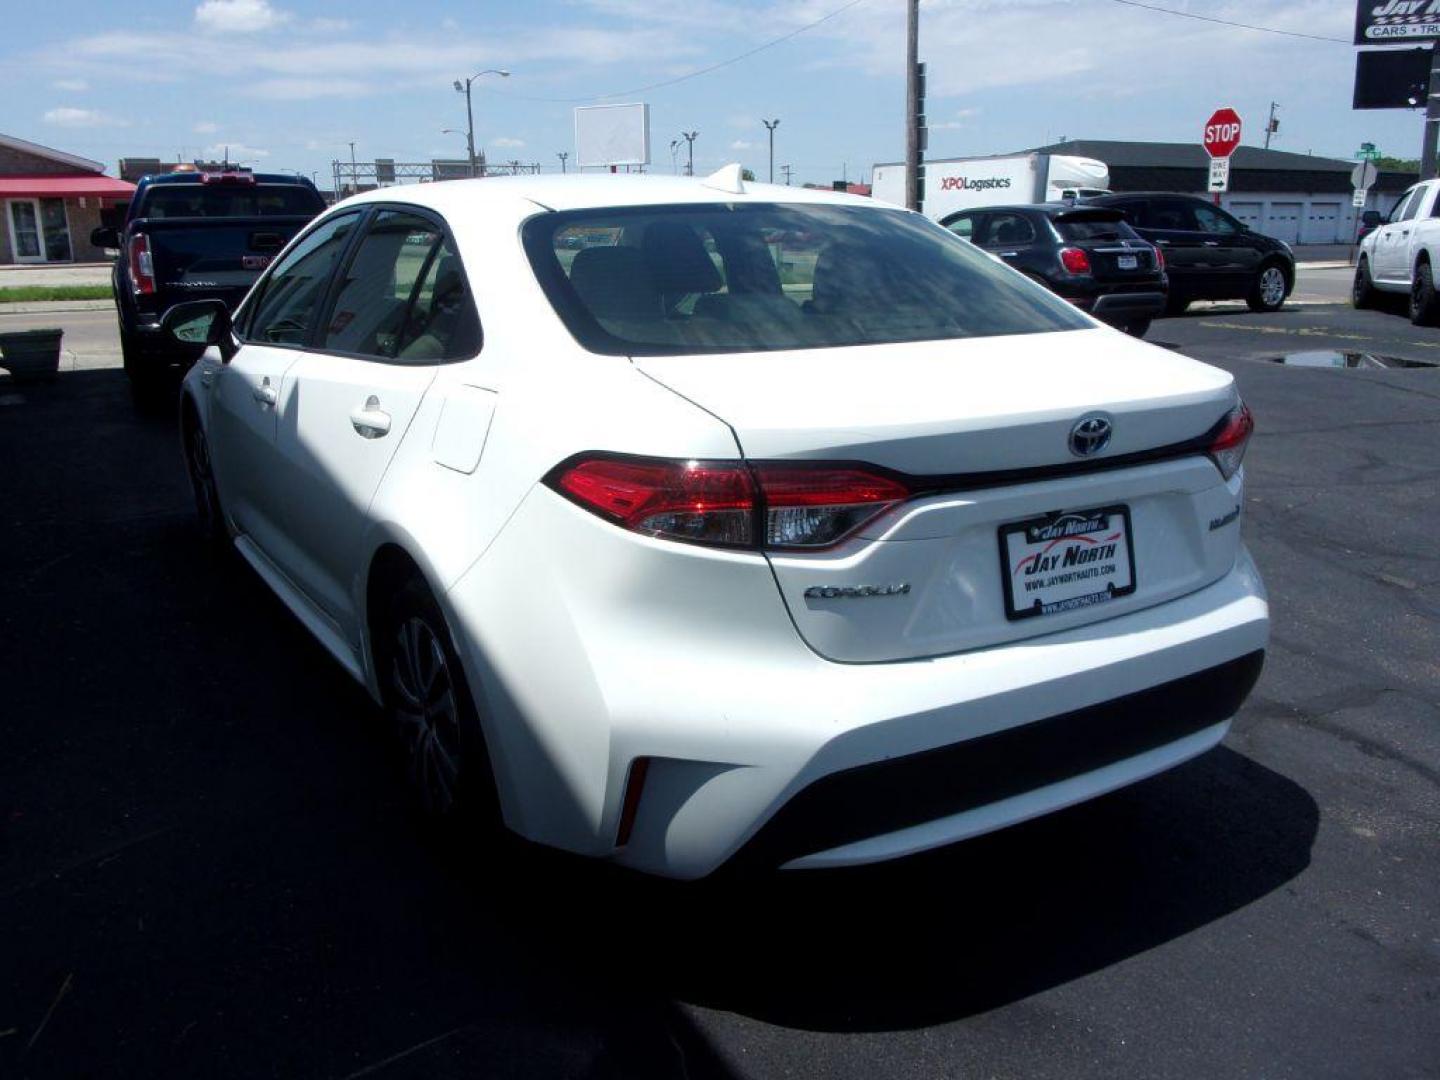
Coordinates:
<point>288,83</point>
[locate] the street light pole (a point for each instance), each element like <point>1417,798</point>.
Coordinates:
<point>562,155</point>
<point>469,113</point>
<point>912,105</point>
<point>690,137</point>
<point>770,126</point>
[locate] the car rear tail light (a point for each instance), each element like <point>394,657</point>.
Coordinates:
<point>1075,260</point>
<point>1159,257</point>
<point>1227,448</point>
<point>729,503</point>
<point>142,266</point>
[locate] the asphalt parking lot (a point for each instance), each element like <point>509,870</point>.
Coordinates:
<point>209,865</point>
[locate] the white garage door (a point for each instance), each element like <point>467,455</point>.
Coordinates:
<point>1248,213</point>
<point>1283,222</point>
<point>1322,224</point>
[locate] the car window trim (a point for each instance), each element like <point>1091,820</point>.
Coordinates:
<point>256,296</point>
<point>332,293</point>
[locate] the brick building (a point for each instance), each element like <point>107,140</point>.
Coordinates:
<point>51,200</point>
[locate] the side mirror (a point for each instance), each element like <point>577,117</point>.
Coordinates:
<point>1371,218</point>
<point>202,322</point>
<point>105,236</point>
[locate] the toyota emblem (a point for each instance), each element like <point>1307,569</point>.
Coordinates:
<point>1089,436</point>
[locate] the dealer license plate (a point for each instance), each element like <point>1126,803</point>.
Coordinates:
<point>1126,262</point>
<point>1065,561</point>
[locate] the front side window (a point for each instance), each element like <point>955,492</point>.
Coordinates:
<point>290,298</point>
<point>1172,215</point>
<point>1403,210</point>
<point>1215,221</point>
<point>667,280</point>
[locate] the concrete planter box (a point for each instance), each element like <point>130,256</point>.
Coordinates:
<point>31,354</point>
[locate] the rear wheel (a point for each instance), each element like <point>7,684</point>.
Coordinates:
<point>1423,303</point>
<point>1362,292</point>
<point>431,709</point>
<point>1268,291</point>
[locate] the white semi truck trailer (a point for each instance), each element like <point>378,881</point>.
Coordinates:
<point>965,183</point>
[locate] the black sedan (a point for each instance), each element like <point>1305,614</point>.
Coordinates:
<point>1087,254</point>
<point>1210,255</point>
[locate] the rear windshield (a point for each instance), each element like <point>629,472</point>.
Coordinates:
<point>1095,226</point>
<point>664,280</point>
<point>227,200</point>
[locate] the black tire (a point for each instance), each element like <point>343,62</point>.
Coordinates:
<point>152,388</point>
<point>1362,292</point>
<point>1137,327</point>
<point>432,711</point>
<point>209,515</point>
<point>1424,305</point>
<point>1269,289</point>
<point>1176,303</point>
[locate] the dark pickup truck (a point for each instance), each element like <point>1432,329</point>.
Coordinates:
<point>190,236</point>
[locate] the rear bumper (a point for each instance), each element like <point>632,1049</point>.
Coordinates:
<point>688,658</point>
<point>1126,307</point>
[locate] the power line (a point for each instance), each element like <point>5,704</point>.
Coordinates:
<point>690,74</point>
<point>1229,22</point>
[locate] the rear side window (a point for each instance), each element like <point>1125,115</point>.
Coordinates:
<point>291,296</point>
<point>1215,221</point>
<point>1009,229</point>
<point>665,280</point>
<point>403,296</point>
<point>1174,215</point>
<point>1074,228</point>
<point>230,200</point>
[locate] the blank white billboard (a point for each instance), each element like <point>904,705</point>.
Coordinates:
<point>612,135</point>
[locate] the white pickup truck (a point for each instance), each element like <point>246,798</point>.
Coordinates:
<point>1400,256</point>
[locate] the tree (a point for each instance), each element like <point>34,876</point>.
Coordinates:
<point>1395,164</point>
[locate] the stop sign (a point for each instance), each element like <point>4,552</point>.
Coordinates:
<point>1222,133</point>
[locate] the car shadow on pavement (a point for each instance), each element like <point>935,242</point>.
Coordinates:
<point>959,931</point>
<point>210,866</point>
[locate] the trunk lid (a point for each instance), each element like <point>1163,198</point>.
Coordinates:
<point>948,411</point>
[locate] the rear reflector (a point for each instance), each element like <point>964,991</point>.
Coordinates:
<point>1227,449</point>
<point>630,805</point>
<point>729,503</point>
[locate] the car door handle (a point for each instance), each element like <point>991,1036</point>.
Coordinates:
<point>369,420</point>
<point>1212,243</point>
<point>265,393</point>
<point>1009,254</point>
<point>1163,243</point>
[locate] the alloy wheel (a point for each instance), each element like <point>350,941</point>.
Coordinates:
<point>202,481</point>
<point>427,713</point>
<point>1272,287</point>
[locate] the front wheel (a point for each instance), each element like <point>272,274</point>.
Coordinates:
<point>1268,291</point>
<point>209,516</point>
<point>1424,308</point>
<point>1362,292</point>
<point>431,709</point>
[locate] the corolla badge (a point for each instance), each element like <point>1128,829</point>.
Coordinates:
<point>837,592</point>
<point>1090,435</point>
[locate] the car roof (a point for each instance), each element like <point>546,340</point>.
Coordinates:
<point>524,194</point>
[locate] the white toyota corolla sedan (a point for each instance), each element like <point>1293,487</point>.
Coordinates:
<point>692,522</point>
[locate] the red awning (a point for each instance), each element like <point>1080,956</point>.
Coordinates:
<point>64,187</point>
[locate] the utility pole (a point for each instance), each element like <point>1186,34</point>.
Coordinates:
<point>354,173</point>
<point>562,155</point>
<point>470,114</point>
<point>770,126</point>
<point>914,182</point>
<point>674,150</point>
<point>786,170</point>
<point>690,137</point>
<point>1432,118</point>
<point>1272,125</point>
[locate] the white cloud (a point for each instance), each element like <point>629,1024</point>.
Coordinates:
<point>67,116</point>
<point>74,85</point>
<point>206,127</point>
<point>741,144</point>
<point>330,26</point>
<point>307,89</point>
<point>238,16</point>
<point>238,152</point>
<point>507,141</point>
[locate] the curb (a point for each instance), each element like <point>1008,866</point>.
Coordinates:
<point>42,307</point>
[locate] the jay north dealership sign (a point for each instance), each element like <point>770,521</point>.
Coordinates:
<point>1396,20</point>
